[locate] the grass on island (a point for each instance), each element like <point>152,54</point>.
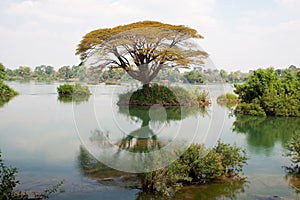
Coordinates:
<point>165,96</point>
<point>228,98</point>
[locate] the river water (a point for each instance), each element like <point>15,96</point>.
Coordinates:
<point>46,139</point>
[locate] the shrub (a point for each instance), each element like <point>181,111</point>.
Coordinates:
<point>250,109</point>
<point>265,93</point>
<point>228,97</point>
<point>68,90</point>
<point>166,96</point>
<point>65,90</point>
<point>196,165</point>
<point>7,181</point>
<point>6,92</point>
<point>233,158</point>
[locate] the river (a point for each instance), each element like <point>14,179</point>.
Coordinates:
<point>45,138</point>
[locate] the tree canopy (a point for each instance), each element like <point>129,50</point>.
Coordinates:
<point>265,93</point>
<point>142,49</point>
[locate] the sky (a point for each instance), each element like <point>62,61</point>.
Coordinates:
<point>238,34</point>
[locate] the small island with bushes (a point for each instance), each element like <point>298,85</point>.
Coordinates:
<point>197,165</point>
<point>68,90</point>
<point>228,98</point>
<point>73,92</point>
<point>165,96</point>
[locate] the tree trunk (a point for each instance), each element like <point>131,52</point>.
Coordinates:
<point>146,87</point>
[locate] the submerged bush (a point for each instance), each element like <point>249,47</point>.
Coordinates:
<point>228,97</point>
<point>68,90</point>
<point>196,165</point>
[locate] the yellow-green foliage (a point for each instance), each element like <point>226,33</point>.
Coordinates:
<point>98,36</point>
<point>142,49</point>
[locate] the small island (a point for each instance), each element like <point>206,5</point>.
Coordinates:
<point>228,98</point>
<point>165,96</point>
<point>73,92</point>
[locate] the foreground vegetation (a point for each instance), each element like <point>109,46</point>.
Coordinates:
<point>196,166</point>
<point>166,96</point>
<point>266,93</point>
<point>8,183</point>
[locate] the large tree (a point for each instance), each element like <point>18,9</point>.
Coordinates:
<point>142,49</point>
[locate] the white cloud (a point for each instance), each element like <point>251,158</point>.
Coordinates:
<point>47,31</point>
<point>259,38</point>
<point>289,4</point>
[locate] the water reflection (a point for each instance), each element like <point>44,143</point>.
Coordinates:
<point>75,99</point>
<point>94,169</point>
<point>154,131</point>
<point>293,181</point>
<point>152,120</point>
<point>227,190</point>
<point>266,132</point>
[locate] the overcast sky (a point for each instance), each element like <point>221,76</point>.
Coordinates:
<point>239,34</point>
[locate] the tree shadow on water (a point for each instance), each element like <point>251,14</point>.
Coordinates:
<point>265,132</point>
<point>76,99</point>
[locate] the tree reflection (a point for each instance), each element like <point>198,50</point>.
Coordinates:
<point>227,190</point>
<point>92,168</point>
<point>76,99</point>
<point>265,132</point>
<point>145,139</point>
<point>172,113</point>
<point>112,147</point>
<point>293,180</point>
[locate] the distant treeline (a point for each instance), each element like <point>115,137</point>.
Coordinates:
<point>82,73</point>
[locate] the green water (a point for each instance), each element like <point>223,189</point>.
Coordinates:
<point>47,139</point>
